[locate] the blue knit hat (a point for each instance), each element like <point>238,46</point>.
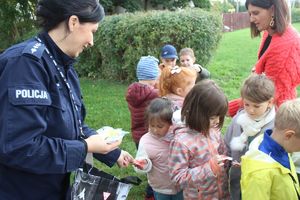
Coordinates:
<point>168,51</point>
<point>147,68</point>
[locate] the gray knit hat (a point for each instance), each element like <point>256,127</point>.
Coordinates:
<point>147,68</point>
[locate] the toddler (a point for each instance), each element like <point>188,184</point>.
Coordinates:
<point>175,83</point>
<point>253,119</point>
<point>197,152</point>
<point>187,59</point>
<point>153,151</point>
<point>267,169</point>
<point>138,96</point>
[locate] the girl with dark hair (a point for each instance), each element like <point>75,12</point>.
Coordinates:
<point>43,137</point>
<point>153,150</point>
<point>198,150</point>
<point>279,52</point>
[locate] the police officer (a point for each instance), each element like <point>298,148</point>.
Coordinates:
<point>42,132</point>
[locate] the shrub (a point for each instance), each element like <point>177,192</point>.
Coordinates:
<point>295,15</point>
<point>123,39</point>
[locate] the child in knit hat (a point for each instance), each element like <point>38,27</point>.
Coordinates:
<point>138,96</point>
<point>257,115</point>
<point>140,93</point>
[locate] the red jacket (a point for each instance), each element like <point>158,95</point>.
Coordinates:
<point>281,63</point>
<point>138,98</point>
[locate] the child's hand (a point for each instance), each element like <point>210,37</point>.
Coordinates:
<point>217,162</point>
<point>222,159</point>
<point>140,164</point>
<point>236,164</point>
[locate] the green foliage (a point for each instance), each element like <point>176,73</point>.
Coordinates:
<point>170,4</point>
<point>16,19</point>
<point>223,7</point>
<point>202,4</point>
<point>296,15</point>
<point>123,39</point>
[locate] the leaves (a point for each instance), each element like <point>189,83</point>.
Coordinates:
<point>17,18</point>
<point>123,39</point>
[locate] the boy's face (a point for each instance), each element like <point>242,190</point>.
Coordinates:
<point>169,62</point>
<point>256,110</point>
<point>186,61</point>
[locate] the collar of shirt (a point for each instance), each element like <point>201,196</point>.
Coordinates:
<point>273,149</point>
<point>59,56</point>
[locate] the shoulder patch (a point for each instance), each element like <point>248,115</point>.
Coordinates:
<point>28,95</point>
<point>34,48</point>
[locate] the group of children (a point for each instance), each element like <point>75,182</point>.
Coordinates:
<point>185,156</point>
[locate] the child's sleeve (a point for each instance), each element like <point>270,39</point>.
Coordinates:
<point>255,186</point>
<point>227,138</point>
<point>142,155</point>
<point>180,172</point>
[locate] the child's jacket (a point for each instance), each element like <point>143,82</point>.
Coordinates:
<point>265,178</point>
<point>234,130</point>
<point>190,168</point>
<point>138,97</point>
<point>156,151</point>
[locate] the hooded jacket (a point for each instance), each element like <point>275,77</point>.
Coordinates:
<point>234,130</point>
<point>138,97</point>
<point>265,178</point>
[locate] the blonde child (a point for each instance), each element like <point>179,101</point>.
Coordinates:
<point>187,59</point>
<point>267,169</point>
<point>257,115</point>
<point>175,83</point>
<point>168,56</point>
<point>197,151</point>
<point>153,151</point>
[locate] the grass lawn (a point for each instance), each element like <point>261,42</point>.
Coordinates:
<point>106,104</point>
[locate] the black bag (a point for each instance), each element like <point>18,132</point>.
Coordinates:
<point>93,184</point>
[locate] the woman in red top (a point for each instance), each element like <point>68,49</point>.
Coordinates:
<point>279,52</point>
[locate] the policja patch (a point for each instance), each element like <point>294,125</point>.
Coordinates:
<point>29,95</point>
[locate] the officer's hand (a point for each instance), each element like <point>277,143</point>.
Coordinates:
<point>125,159</point>
<point>97,144</point>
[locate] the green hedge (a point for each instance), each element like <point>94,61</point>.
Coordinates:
<point>295,15</point>
<point>122,39</point>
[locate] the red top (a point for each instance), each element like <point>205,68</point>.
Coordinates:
<point>281,63</point>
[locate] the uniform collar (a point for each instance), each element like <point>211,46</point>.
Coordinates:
<point>59,56</point>
<point>274,150</point>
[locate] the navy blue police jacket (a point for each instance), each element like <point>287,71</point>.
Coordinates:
<point>39,132</point>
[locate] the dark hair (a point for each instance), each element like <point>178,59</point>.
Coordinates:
<point>50,13</point>
<point>205,100</point>
<point>258,89</point>
<point>159,108</point>
<point>281,14</point>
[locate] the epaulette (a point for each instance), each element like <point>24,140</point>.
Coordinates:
<point>34,48</point>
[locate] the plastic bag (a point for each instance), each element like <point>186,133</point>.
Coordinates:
<point>112,134</point>
<point>93,184</point>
